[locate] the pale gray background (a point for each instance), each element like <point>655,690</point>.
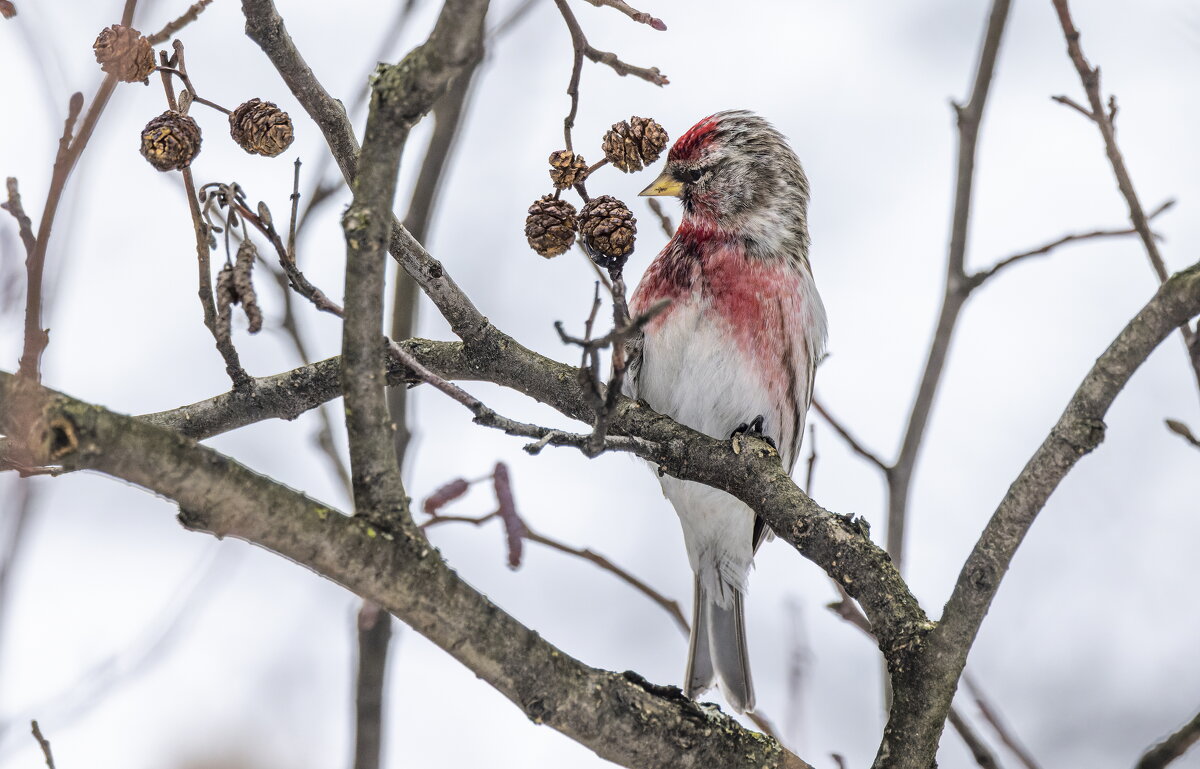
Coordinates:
<point>138,644</point>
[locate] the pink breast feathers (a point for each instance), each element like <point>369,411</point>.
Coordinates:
<point>758,301</point>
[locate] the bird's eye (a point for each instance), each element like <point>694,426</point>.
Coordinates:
<point>693,174</point>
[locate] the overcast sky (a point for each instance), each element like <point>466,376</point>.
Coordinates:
<point>138,644</point>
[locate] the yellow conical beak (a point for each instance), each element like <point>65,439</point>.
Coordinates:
<point>665,184</point>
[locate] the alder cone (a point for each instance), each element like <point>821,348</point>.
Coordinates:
<point>567,169</point>
<point>124,52</point>
<point>633,144</point>
<point>550,226</point>
<point>261,128</point>
<point>608,229</point>
<point>171,141</point>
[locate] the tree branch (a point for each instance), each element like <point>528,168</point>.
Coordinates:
<point>978,278</point>
<point>850,440</point>
<point>620,716</point>
<point>265,27</point>
<point>1078,431</point>
<point>1172,747</point>
<point>970,117</point>
<point>1089,76</point>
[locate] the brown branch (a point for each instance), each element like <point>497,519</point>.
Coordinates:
<point>639,16</point>
<point>187,17</point>
<point>621,717</point>
<point>1089,76</point>
<point>1078,431</point>
<point>36,337</point>
<point>978,278</point>
<point>1172,747</point>
<point>374,636</point>
<point>200,231</point>
<point>810,471</point>
<point>582,48</point>
<point>855,445</point>
<point>266,28</point>
<point>578,46</point>
<point>664,220</point>
<point>989,713</point>
<point>970,116</point>
<point>43,743</point>
<point>447,115</point>
<point>24,225</point>
<point>979,751</point>
<point>69,151</point>
<point>668,605</point>
<point>649,74</point>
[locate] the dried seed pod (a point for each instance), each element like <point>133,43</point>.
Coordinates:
<point>226,298</point>
<point>243,268</point>
<point>567,169</point>
<point>608,229</point>
<point>124,52</point>
<point>261,128</point>
<point>550,226</point>
<point>445,494</point>
<point>171,141</point>
<point>630,145</point>
<point>514,528</point>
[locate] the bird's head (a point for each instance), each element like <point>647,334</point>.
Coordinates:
<point>734,172</point>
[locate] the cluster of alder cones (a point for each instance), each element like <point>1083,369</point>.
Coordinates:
<point>172,140</point>
<point>606,227</point>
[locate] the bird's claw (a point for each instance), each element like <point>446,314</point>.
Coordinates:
<point>751,429</point>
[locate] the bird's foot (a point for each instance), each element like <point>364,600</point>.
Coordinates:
<point>751,429</point>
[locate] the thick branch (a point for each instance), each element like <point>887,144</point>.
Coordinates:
<point>620,716</point>
<point>1078,431</point>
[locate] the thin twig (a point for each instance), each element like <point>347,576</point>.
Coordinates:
<point>849,438</point>
<point>979,751</point>
<point>649,74</point>
<point>36,337</point>
<point>24,225</point>
<point>979,277</point>
<point>1089,76</point>
<point>43,743</point>
<point>510,22</point>
<point>639,16</point>
<point>670,606</point>
<point>578,44</point>
<point>582,48</point>
<point>990,714</point>
<point>970,116</point>
<point>173,26</point>
<point>664,219</point>
<point>812,460</point>
<point>1067,101</point>
<point>224,344</point>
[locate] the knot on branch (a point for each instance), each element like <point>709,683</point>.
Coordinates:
<point>61,437</point>
<point>1083,434</point>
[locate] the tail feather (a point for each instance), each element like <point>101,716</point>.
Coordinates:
<point>699,676</point>
<point>717,650</point>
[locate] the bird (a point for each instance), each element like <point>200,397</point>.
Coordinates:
<point>734,350</point>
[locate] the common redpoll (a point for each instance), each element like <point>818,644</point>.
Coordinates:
<point>737,346</point>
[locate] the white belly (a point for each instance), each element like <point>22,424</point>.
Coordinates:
<point>693,371</point>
